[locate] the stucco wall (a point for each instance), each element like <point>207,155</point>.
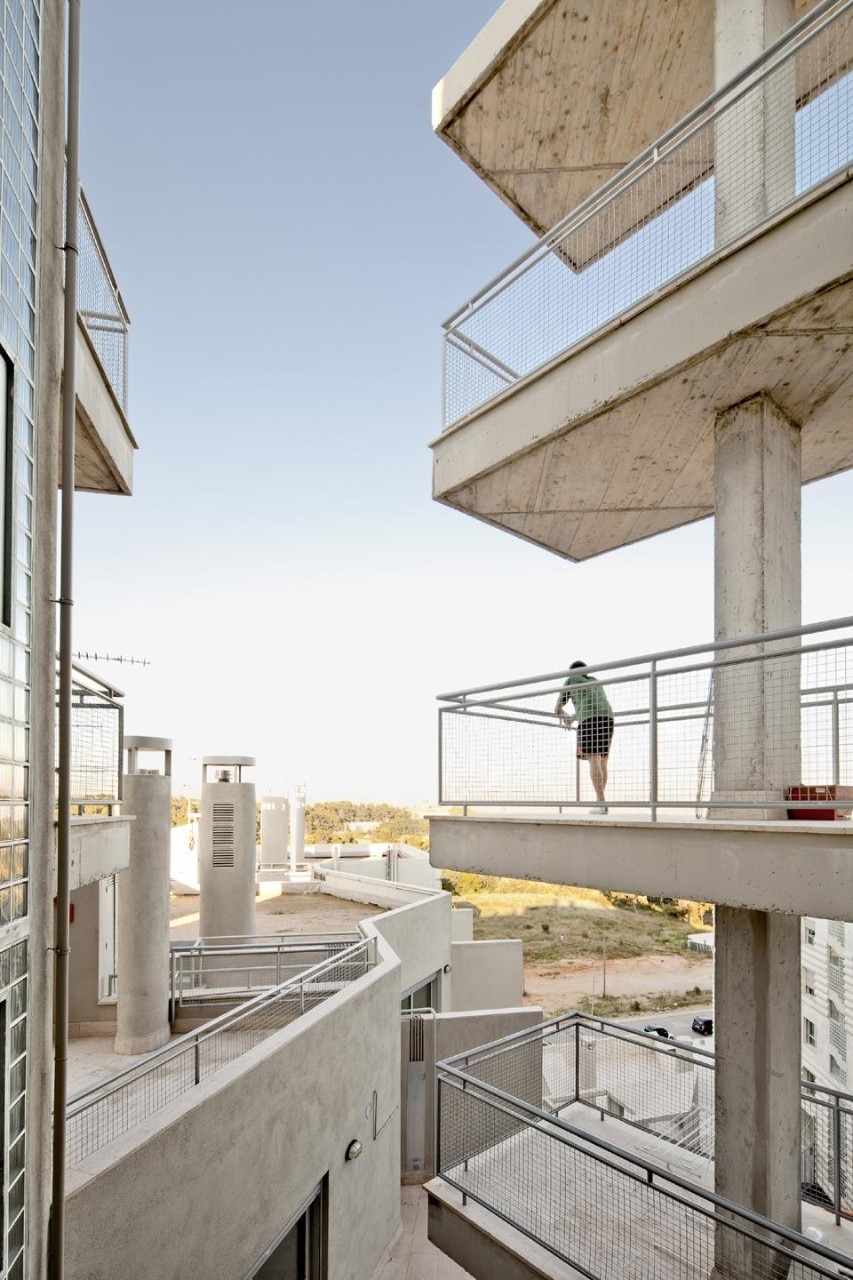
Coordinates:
<point>223,1169</point>
<point>420,935</point>
<point>487,975</point>
<point>83,1002</point>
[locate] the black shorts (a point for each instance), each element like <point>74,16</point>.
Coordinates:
<point>595,736</point>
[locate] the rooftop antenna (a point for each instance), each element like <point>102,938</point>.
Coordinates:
<point>86,656</point>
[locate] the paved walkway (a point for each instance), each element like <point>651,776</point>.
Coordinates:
<point>412,1257</point>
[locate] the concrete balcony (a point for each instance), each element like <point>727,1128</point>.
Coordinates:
<point>585,1148</point>
<point>583,385</point>
<point>707,745</point>
<point>546,104</point>
<point>100,848</point>
<point>104,441</point>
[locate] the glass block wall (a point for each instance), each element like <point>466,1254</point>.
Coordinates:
<point>19,73</point>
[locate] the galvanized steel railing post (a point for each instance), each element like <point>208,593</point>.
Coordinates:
<point>836,1159</point>
<point>577,1062</point>
<point>653,740</point>
<point>197,1060</point>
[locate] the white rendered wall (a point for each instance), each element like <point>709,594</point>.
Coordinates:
<point>208,1184</point>
<point>487,975</point>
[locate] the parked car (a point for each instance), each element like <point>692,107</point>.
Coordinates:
<point>657,1031</point>
<point>703,1026</point>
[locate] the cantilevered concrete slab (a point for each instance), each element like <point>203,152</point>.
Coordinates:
<point>613,442</point>
<point>100,848</point>
<point>546,104</point>
<point>104,441</point>
<point>802,868</point>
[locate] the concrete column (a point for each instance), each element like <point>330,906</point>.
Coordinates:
<point>757,995</point>
<point>754,160</point>
<point>142,1020</point>
<point>297,827</point>
<point>227,844</point>
<point>275,825</point>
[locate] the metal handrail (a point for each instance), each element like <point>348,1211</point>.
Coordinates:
<point>91,1096</point>
<point>669,712</point>
<point>666,655</point>
<point>627,1164</point>
<point>838,1102</point>
<point>796,36</point>
<point>487,341</point>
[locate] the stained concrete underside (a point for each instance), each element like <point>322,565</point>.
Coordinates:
<point>613,442</point>
<point>800,868</point>
<point>104,442</point>
<point>545,104</point>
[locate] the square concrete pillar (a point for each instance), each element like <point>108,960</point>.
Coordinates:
<point>757,750</point>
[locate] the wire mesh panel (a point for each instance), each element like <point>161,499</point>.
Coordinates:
<point>611,1216</point>
<point>97,723</point>
<point>762,723</point>
<point>664,1088</point>
<point>721,176</point>
<point>100,305</point>
<point>110,1109</point>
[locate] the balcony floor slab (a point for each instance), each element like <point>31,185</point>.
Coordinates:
<point>612,442</point>
<point>603,1216</point>
<point>800,868</point>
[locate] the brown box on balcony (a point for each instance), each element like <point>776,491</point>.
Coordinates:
<point>813,794</point>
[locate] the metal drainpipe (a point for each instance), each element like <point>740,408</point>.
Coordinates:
<point>63,850</point>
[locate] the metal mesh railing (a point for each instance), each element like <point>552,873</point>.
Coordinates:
<point>597,1206</point>
<point>101,1114</point>
<point>737,724</point>
<point>97,727</point>
<point>217,971</point>
<point>774,136</point>
<point>100,304</point>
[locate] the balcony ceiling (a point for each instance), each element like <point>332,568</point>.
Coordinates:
<point>546,103</point>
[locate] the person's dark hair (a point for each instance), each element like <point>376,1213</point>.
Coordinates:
<point>576,664</point>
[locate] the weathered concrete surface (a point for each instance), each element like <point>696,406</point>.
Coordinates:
<point>244,1149</point>
<point>104,443</point>
<point>483,1244</point>
<point>100,847</point>
<point>757,993</point>
<point>797,867</point>
<point>615,442</point>
<point>546,104</point>
<point>227,835</point>
<point>143,917</point>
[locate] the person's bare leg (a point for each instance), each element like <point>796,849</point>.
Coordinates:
<point>598,776</point>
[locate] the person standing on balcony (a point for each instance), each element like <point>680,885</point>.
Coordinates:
<point>594,716</point>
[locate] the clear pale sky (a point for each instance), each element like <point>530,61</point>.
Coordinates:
<point>288,235</point>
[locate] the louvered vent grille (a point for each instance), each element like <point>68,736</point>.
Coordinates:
<point>223,835</point>
<point>416,1039</point>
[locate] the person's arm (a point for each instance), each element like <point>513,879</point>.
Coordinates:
<point>567,717</point>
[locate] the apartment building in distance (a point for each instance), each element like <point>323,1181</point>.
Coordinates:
<point>676,345</point>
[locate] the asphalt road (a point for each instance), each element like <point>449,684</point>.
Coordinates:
<point>676,1023</point>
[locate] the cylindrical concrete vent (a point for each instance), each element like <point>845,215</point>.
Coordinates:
<point>275,824</point>
<point>227,838</point>
<point>297,827</point>
<point>142,1018</point>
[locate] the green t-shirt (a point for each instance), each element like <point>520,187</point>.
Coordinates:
<point>588,697</point>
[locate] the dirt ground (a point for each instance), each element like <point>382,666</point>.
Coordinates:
<point>557,985</point>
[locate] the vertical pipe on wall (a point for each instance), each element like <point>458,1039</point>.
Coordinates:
<point>66,579</point>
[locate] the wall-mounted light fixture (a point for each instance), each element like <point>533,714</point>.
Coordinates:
<point>353,1150</point>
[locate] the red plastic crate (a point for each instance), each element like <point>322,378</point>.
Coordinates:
<point>814,794</point>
